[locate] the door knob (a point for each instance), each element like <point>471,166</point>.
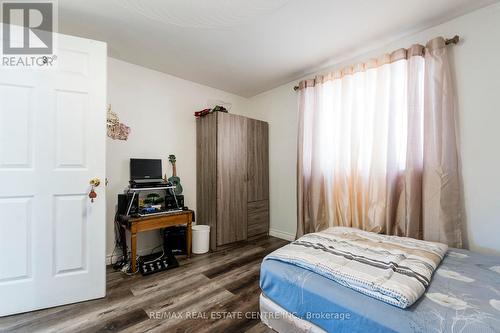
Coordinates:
<point>94,183</point>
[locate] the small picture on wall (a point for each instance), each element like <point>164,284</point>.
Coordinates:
<point>116,130</point>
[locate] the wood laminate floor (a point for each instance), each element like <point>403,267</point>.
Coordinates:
<point>215,292</point>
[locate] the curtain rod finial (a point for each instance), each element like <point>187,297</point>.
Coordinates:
<point>296,88</point>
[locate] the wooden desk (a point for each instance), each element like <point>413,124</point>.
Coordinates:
<point>136,225</point>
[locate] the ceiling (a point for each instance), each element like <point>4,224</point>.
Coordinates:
<point>247,47</point>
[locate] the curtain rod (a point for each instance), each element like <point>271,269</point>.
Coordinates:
<point>449,41</point>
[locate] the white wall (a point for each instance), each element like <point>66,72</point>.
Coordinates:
<point>478,85</point>
<point>159,108</point>
<point>279,108</point>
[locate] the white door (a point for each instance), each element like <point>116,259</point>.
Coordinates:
<point>52,142</point>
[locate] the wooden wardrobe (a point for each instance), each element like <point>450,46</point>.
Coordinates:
<point>232,177</point>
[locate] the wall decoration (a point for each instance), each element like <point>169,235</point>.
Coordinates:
<point>116,130</point>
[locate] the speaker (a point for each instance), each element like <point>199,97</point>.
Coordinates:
<point>122,204</point>
<point>174,240</point>
<point>174,203</point>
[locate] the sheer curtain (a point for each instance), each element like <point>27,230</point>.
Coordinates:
<point>378,147</point>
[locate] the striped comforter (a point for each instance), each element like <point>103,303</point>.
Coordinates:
<point>392,269</point>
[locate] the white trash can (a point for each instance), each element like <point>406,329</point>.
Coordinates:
<point>201,238</point>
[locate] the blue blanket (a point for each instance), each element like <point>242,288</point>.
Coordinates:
<point>464,296</point>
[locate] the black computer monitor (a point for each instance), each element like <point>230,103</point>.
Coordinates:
<point>141,168</point>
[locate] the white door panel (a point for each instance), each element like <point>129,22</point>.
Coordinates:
<point>20,154</point>
<point>16,237</point>
<point>52,142</point>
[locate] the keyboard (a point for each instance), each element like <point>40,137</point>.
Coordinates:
<point>148,181</point>
<point>140,183</point>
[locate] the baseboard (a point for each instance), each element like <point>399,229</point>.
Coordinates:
<point>281,234</point>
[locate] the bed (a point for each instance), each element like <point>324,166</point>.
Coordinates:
<point>464,296</point>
